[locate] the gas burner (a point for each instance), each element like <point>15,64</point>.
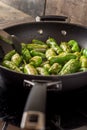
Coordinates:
<point>72,116</point>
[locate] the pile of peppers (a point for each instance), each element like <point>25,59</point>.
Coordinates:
<point>47,58</point>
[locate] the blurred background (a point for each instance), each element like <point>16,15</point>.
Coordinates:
<point>15,11</point>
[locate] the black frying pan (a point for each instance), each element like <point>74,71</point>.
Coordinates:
<point>42,30</point>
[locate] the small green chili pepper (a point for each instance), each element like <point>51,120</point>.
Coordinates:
<point>11,65</point>
<point>61,58</point>
<point>36,61</point>
<point>71,66</point>
<point>37,47</point>
<point>37,53</point>
<point>29,69</point>
<point>49,53</point>
<point>26,54</point>
<point>65,47</point>
<point>83,61</point>
<point>42,71</point>
<point>84,52</point>
<point>9,55</point>
<point>16,59</point>
<point>78,54</point>
<point>46,66</point>
<point>51,42</point>
<point>38,42</point>
<point>55,68</point>
<point>74,45</point>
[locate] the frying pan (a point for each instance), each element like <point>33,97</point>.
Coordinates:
<point>61,31</point>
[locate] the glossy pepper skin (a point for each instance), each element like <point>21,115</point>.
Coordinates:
<point>71,66</point>
<point>9,55</point>
<point>74,45</point>
<point>55,68</point>
<point>16,59</point>
<point>49,53</point>
<point>62,58</point>
<point>83,61</point>
<point>65,47</point>
<point>26,55</point>
<point>37,47</point>
<point>29,69</point>
<point>36,61</point>
<point>84,52</point>
<point>11,65</point>
<point>42,71</point>
<point>47,66</point>
<point>51,42</point>
<point>38,42</point>
<point>37,53</point>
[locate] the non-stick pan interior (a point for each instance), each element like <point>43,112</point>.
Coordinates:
<point>43,30</point>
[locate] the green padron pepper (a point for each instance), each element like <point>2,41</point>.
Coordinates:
<point>62,58</point>
<point>51,42</point>
<point>83,61</point>
<point>38,42</point>
<point>37,47</point>
<point>47,66</point>
<point>84,52</point>
<point>9,55</point>
<point>71,66</point>
<point>16,59</point>
<point>11,65</point>
<point>42,71</point>
<point>49,53</point>
<point>36,61</point>
<point>74,45</point>
<point>29,69</point>
<point>26,55</point>
<point>65,47</point>
<point>55,68</point>
<point>37,53</point>
<point>78,55</point>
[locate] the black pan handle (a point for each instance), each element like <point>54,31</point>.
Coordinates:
<point>52,18</point>
<point>34,113</point>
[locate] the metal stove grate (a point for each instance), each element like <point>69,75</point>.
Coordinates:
<point>72,116</point>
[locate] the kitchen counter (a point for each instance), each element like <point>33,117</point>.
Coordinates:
<point>10,16</point>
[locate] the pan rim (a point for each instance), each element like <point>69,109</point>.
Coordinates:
<point>48,76</point>
<point>45,22</point>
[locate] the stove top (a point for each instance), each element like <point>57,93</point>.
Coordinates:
<point>64,110</point>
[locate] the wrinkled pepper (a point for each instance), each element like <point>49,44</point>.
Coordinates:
<point>9,55</point>
<point>37,47</point>
<point>37,53</point>
<point>51,42</point>
<point>47,66</point>
<point>65,47</point>
<point>29,69</point>
<point>36,61</point>
<point>42,71</point>
<point>38,42</point>
<point>61,58</point>
<point>83,61</point>
<point>84,52</point>
<point>16,59</point>
<point>26,55</point>
<point>71,66</point>
<point>55,68</point>
<point>49,53</point>
<point>74,45</point>
<point>11,65</point>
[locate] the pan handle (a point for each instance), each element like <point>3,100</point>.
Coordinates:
<point>34,112</point>
<point>52,18</point>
